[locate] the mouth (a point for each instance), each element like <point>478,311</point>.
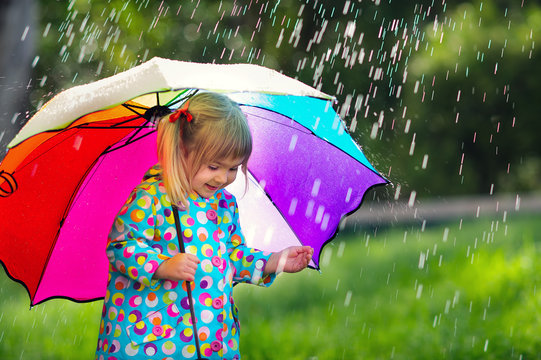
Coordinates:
<point>212,188</point>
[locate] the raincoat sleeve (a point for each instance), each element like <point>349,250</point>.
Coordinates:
<point>128,247</point>
<point>248,263</point>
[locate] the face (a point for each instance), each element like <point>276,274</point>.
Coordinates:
<point>214,176</point>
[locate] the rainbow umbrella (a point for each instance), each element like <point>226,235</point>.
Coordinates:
<point>70,169</point>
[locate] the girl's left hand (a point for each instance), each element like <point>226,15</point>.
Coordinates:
<point>291,260</point>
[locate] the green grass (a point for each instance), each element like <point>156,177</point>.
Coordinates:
<point>458,291</point>
<point>467,291</point>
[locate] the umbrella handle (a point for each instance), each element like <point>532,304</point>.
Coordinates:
<point>10,180</point>
<point>188,285</point>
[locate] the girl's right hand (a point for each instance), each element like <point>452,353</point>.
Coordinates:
<point>180,267</point>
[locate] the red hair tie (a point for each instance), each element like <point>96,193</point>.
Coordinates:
<point>182,111</point>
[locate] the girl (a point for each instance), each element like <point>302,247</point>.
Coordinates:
<point>170,296</point>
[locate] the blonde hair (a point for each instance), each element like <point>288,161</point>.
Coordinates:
<point>218,130</point>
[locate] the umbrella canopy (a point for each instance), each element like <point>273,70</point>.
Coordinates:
<point>71,168</point>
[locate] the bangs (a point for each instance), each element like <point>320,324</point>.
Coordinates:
<point>227,144</point>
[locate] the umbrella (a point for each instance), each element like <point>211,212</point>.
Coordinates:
<point>72,166</point>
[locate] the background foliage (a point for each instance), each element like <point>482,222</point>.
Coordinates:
<point>442,96</point>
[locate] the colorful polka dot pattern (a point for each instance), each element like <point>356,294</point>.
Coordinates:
<point>144,318</point>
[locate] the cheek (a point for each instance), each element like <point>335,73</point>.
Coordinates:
<point>231,177</point>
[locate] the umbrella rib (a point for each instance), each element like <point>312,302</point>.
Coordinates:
<point>288,126</point>
<point>126,143</point>
<point>180,98</point>
<point>132,107</point>
<point>129,140</point>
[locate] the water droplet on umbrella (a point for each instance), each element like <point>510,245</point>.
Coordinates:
<point>293,142</point>
<point>292,206</point>
<point>77,142</point>
<point>315,187</point>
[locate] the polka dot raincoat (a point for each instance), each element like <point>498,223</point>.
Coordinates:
<point>145,318</point>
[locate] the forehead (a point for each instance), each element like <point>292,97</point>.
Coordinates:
<point>229,161</point>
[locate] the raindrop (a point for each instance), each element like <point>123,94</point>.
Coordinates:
<point>319,214</point>
<point>374,132</point>
<point>407,127</point>
<point>341,248</point>
<point>397,192</point>
<point>46,30</point>
<point>445,234</point>
<point>309,208</point>
<point>35,61</point>
<point>34,169</point>
<point>411,201</point>
<point>315,187</point>
<point>327,254</point>
<point>23,37</point>
<point>412,146</point>
<point>348,298</point>
<point>14,118</point>
<point>422,258</point>
<point>419,291</point>
<point>293,142</point>
<point>425,161</point>
<point>350,30</point>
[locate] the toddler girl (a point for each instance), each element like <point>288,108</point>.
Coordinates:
<point>169,293</point>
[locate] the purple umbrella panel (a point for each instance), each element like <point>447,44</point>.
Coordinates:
<point>305,174</point>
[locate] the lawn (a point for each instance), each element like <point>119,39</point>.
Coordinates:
<point>462,290</point>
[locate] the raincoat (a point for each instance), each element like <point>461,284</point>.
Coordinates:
<point>147,318</point>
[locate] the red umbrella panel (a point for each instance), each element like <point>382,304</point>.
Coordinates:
<point>41,195</point>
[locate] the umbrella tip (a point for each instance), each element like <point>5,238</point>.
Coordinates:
<point>156,112</point>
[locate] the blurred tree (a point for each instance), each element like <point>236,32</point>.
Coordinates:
<point>473,96</point>
<point>396,69</point>
<point>17,28</point>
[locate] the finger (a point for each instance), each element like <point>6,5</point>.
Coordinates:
<point>191,266</point>
<point>193,258</point>
<point>188,277</point>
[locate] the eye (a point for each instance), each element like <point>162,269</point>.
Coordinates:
<point>213,167</point>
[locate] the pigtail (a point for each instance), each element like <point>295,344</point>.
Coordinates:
<point>172,157</point>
